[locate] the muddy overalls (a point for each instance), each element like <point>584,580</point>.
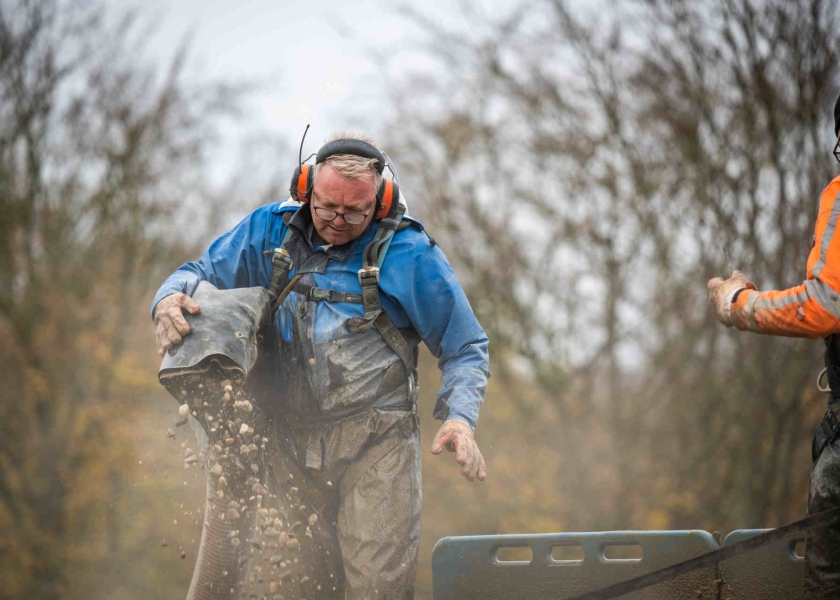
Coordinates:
<point>343,390</point>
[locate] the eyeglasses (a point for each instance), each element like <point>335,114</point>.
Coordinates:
<point>351,218</point>
<point>837,150</point>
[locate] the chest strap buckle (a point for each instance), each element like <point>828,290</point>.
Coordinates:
<point>368,276</point>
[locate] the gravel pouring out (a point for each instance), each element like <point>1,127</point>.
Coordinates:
<point>260,538</point>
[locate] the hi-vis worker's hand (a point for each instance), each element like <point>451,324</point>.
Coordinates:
<point>170,324</point>
<point>721,294</point>
<point>458,437</point>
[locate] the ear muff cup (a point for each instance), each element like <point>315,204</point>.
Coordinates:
<point>301,184</point>
<point>387,198</point>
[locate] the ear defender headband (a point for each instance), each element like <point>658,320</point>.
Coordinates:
<point>388,194</point>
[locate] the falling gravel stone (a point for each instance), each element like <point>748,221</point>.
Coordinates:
<point>191,459</point>
<point>293,544</point>
<point>274,587</point>
<point>304,579</point>
<point>272,533</point>
<point>232,514</point>
<point>216,471</point>
<point>313,518</point>
<point>247,406</point>
<point>243,429</point>
<point>276,558</point>
<point>188,452</point>
<point>222,481</point>
<point>229,441</point>
<point>170,433</point>
<point>235,542</point>
<point>255,467</point>
<point>184,410</point>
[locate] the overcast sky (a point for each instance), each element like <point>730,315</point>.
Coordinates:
<point>314,57</point>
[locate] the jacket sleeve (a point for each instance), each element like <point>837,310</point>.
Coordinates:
<point>234,260</point>
<point>811,309</point>
<point>437,307</point>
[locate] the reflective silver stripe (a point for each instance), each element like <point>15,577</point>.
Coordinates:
<point>825,242</point>
<point>824,295</point>
<point>763,303</point>
<point>749,311</point>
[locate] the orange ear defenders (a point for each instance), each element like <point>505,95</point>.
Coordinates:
<point>388,194</point>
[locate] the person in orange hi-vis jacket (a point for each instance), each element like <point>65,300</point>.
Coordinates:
<point>810,310</point>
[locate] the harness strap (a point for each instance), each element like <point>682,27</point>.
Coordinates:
<point>827,431</point>
<point>317,294</point>
<point>375,316</point>
<point>281,264</point>
<point>395,339</point>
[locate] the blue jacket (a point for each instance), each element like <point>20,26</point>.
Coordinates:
<point>417,287</point>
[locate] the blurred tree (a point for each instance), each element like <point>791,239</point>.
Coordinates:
<point>584,171</point>
<point>101,160</point>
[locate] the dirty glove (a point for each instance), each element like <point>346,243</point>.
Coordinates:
<point>458,437</point>
<point>721,294</point>
<point>170,324</point>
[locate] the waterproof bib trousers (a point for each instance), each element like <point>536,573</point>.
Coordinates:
<point>348,445</point>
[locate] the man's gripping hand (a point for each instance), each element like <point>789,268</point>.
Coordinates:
<point>170,324</point>
<point>458,437</point>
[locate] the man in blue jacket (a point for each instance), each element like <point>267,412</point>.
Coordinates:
<point>346,338</point>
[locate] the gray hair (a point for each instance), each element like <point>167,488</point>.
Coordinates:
<point>350,165</point>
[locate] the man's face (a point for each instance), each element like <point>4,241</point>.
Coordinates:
<point>341,194</point>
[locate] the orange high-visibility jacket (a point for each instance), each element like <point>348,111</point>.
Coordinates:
<point>812,309</point>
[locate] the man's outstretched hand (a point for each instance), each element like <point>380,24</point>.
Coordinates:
<point>456,436</point>
<point>720,296</point>
<point>170,324</point>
